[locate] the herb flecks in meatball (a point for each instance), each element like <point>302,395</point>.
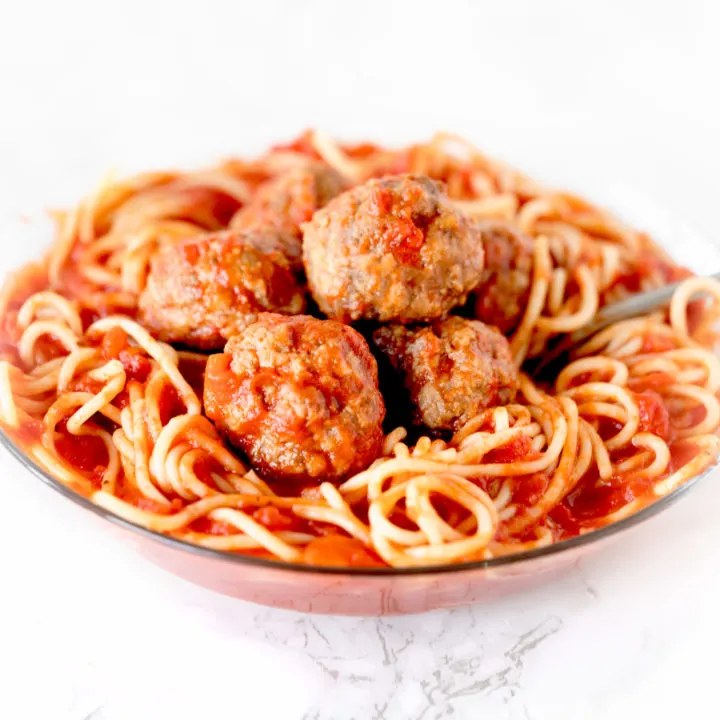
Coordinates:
<point>504,290</point>
<point>453,369</point>
<point>394,249</point>
<point>202,291</point>
<point>299,396</point>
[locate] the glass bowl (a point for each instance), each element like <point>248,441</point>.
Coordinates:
<point>387,591</point>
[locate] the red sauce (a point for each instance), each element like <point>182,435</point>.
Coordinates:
<point>581,379</point>
<point>194,372</point>
<point>86,384</point>
<point>598,501</point>
<point>681,453</point>
<point>302,145</point>
<point>528,489</point>
<point>405,241</point>
<point>403,238</point>
<point>220,385</point>
<point>190,252</point>
<point>654,417</point>
<point>137,366</point>
<point>651,381</point>
<point>591,501</point>
<point>126,491</point>
<point>89,315</point>
<point>563,522</point>
<point>122,399</point>
<point>649,265</point>
<point>48,348</point>
<point>150,505</point>
<point>607,427</point>
<point>361,150</point>
<point>86,453</point>
<point>517,449</point>
<point>380,202</point>
<point>170,405</point>
<point>115,346</point>
<point>275,519</point>
<point>656,344</point>
<point>213,527</point>
<point>340,551</point>
<point>29,432</point>
<point>113,342</point>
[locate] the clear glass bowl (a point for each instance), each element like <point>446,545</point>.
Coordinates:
<point>358,591</point>
<point>387,591</point>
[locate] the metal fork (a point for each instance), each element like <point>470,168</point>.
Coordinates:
<point>639,304</point>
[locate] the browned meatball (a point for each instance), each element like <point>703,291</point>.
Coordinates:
<point>290,199</point>
<point>299,396</point>
<point>504,291</point>
<point>202,291</point>
<point>394,249</point>
<point>453,369</point>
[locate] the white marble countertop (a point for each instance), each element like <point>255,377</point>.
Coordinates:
<point>615,100</point>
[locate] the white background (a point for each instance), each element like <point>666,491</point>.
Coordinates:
<point>614,99</point>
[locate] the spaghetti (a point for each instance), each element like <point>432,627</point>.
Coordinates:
<point>117,414</point>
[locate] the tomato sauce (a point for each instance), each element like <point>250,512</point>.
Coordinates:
<point>84,383</point>
<point>654,417</point>
<point>517,449</point>
<point>402,233</point>
<point>681,453</point>
<point>340,551</point>
<point>276,519</point>
<point>302,144</point>
<point>115,346</point>
<point>657,344</point>
<point>528,489</point>
<point>213,527</point>
<point>170,404</point>
<point>194,372</point>
<point>47,348</point>
<point>220,385</point>
<point>29,432</point>
<point>130,494</point>
<point>87,454</point>
<point>361,150</point>
<point>587,503</point>
<point>651,381</point>
<point>649,265</point>
<point>591,500</point>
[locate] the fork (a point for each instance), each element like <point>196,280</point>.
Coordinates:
<point>633,306</point>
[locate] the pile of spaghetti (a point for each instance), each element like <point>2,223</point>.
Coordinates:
<point>109,409</point>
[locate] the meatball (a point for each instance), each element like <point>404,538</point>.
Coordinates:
<point>299,396</point>
<point>504,291</point>
<point>290,199</point>
<point>394,249</point>
<point>453,369</point>
<point>202,291</point>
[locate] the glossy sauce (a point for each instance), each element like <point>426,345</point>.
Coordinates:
<point>115,346</point>
<point>654,417</point>
<point>340,551</point>
<point>86,453</point>
<point>403,238</point>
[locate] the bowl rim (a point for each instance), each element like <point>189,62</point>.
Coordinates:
<point>562,546</point>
